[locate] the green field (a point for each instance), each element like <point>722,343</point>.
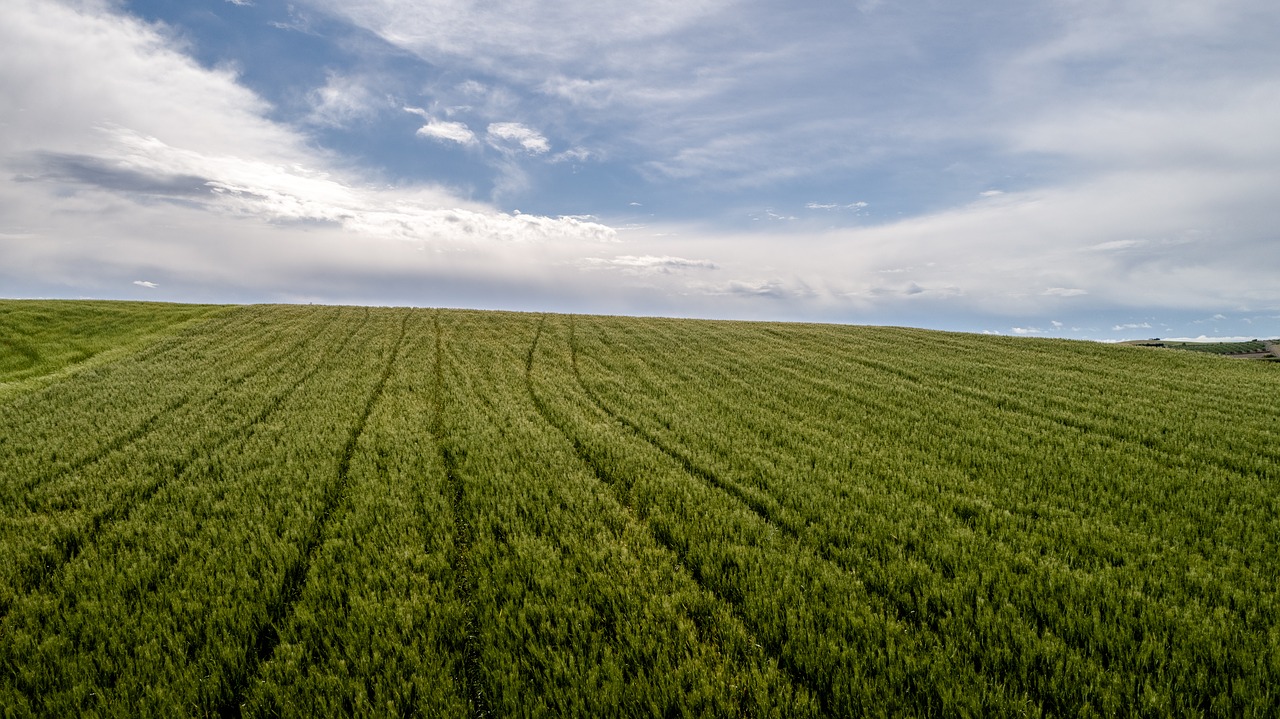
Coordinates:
<point>314,511</point>
<point>39,338</point>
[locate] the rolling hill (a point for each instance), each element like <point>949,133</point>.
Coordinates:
<point>314,511</point>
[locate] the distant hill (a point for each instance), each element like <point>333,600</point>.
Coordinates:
<point>1253,349</point>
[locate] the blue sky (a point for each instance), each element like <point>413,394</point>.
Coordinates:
<point>1097,169</point>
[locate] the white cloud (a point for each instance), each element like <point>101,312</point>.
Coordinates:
<point>508,135</point>
<point>445,130</point>
<point>774,216</point>
<point>646,73</point>
<point>1026,330</point>
<point>649,263</point>
<point>177,169</point>
<point>111,70</point>
<point>1119,245</point>
<point>574,154</point>
<point>343,101</point>
<point>1132,326</point>
<point>525,35</point>
<point>145,283</point>
<point>595,94</point>
<point>449,131</point>
<point>1064,292</point>
<point>772,289</point>
<point>1229,126</point>
<point>741,105</point>
<point>834,206</point>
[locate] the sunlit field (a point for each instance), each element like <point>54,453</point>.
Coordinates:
<point>313,511</point>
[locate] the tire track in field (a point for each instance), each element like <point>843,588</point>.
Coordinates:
<point>470,681</point>
<point>792,527</point>
<point>1065,412</point>
<point>147,426</point>
<point>889,608</point>
<point>607,478</point>
<point>770,515</point>
<point>890,604</point>
<point>892,609</point>
<point>41,572</point>
<point>881,407</point>
<point>263,647</point>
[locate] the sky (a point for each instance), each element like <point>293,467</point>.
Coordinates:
<point>1091,169</point>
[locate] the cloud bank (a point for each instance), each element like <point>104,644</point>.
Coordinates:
<point>138,158</point>
<point>1103,166</point>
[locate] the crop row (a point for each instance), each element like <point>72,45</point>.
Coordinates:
<point>163,609</point>
<point>296,511</point>
<point>937,496</point>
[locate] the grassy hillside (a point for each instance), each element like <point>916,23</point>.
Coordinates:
<point>39,338</point>
<point>308,511</point>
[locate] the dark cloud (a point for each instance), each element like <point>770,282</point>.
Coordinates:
<point>111,176</point>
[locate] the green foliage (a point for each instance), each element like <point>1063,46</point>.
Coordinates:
<point>300,511</point>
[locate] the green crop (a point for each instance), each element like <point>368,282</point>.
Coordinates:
<point>40,338</point>
<point>315,511</point>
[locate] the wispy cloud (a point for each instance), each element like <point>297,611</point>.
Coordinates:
<point>649,263</point>
<point>834,206</point>
<point>527,39</point>
<point>575,154</point>
<point>1116,245</point>
<point>145,283</point>
<point>513,135</point>
<point>771,289</point>
<point>343,101</point>
<point>772,216</point>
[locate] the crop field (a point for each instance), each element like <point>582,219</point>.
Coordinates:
<point>39,338</point>
<point>1222,348</point>
<point>1256,348</point>
<point>313,511</point>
